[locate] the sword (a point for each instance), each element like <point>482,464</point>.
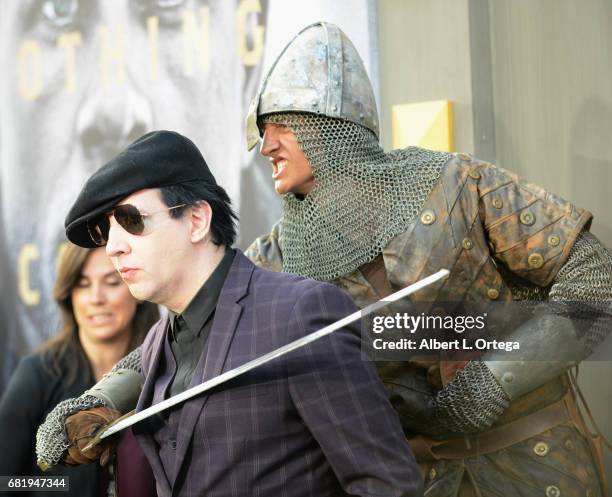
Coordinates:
<point>133,417</point>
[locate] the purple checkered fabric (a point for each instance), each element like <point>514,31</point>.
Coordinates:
<point>315,423</point>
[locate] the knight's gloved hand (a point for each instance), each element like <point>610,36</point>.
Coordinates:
<point>51,440</point>
<point>472,401</point>
<point>81,427</point>
<point>410,393</point>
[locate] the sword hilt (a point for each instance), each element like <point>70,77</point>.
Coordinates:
<point>100,431</point>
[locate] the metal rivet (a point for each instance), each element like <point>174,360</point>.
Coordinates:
<point>554,240</point>
<point>464,157</point>
<point>497,203</point>
<point>334,108</point>
<point>428,217</point>
<point>474,174</point>
<point>553,491</point>
<point>540,449</point>
<point>433,473</point>
<point>569,445</point>
<point>467,244</point>
<point>493,293</point>
<point>508,377</point>
<point>527,218</point>
<point>535,260</point>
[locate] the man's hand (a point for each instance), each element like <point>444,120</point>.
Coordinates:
<point>81,427</point>
<point>51,440</point>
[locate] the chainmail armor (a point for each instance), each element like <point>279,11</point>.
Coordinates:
<point>472,402</point>
<point>583,288</point>
<point>361,198</point>
<point>51,439</point>
<point>130,361</point>
<point>523,290</point>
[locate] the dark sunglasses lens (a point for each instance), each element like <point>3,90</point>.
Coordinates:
<point>130,219</point>
<point>98,230</point>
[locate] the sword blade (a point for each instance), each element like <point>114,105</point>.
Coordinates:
<point>129,420</point>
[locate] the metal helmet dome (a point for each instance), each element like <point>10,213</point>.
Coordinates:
<point>318,72</point>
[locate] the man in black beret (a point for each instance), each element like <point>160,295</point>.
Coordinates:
<point>315,422</point>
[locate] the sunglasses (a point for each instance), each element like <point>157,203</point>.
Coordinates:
<point>128,217</point>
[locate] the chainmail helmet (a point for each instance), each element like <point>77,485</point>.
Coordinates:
<point>362,197</point>
<point>320,72</point>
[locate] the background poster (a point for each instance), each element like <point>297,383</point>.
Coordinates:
<point>84,78</point>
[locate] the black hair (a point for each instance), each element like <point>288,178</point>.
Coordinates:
<point>224,219</point>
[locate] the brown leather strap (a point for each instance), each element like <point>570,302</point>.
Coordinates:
<point>376,274</point>
<point>422,448</point>
<point>492,440</point>
<point>595,440</point>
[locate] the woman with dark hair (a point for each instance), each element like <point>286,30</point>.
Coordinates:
<point>100,322</point>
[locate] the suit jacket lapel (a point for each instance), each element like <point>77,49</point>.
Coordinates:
<point>147,442</point>
<point>157,348</point>
<point>227,315</point>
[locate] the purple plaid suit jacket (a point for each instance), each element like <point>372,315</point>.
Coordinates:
<point>316,422</point>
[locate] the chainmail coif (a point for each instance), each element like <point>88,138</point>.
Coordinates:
<point>361,198</point>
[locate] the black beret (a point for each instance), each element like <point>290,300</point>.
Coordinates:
<point>157,159</point>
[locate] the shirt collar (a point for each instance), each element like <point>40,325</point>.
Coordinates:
<point>203,304</point>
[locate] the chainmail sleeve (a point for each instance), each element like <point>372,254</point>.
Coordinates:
<point>471,402</point>
<point>132,361</point>
<point>51,439</point>
<point>582,289</point>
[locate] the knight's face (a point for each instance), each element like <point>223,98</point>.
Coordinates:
<point>291,171</point>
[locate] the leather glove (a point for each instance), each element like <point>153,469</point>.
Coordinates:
<point>81,427</point>
<point>410,392</point>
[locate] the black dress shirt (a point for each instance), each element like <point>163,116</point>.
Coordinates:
<point>189,330</point>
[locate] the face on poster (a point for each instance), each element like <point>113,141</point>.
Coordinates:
<point>87,78</point>
<point>84,78</point>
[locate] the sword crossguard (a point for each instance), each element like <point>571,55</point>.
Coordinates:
<point>100,431</point>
